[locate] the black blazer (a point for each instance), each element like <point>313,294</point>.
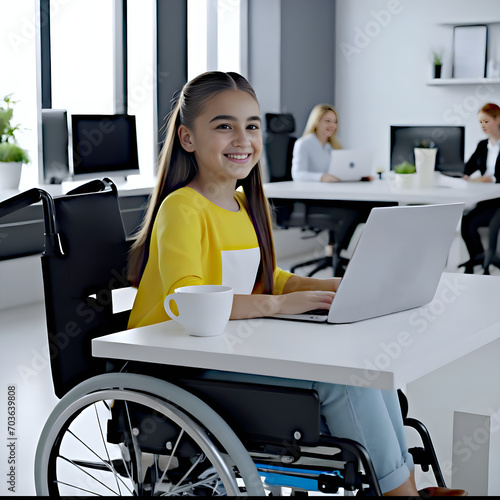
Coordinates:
<point>478,161</point>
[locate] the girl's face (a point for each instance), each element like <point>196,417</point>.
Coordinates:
<point>490,125</point>
<point>327,126</point>
<point>226,137</point>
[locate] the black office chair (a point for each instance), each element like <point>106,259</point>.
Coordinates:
<point>123,427</point>
<point>312,216</point>
<point>278,145</point>
<point>340,218</point>
<point>491,257</point>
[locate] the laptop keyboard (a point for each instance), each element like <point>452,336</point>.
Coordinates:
<point>318,312</point>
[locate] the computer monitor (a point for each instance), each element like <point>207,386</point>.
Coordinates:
<point>448,139</point>
<point>55,164</point>
<point>104,146</point>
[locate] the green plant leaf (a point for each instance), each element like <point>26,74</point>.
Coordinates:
<point>437,58</point>
<point>12,152</point>
<point>405,168</point>
<point>5,116</point>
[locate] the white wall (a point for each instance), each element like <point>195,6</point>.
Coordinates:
<point>384,60</point>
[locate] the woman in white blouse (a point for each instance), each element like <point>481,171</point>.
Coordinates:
<point>311,162</point>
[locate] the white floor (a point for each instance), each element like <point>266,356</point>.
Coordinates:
<point>25,367</point>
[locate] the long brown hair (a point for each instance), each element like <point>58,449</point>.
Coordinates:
<point>177,168</point>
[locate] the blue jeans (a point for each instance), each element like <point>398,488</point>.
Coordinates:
<point>369,416</point>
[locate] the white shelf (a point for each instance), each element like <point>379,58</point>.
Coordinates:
<point>462,81</point>
<point>467,23</point>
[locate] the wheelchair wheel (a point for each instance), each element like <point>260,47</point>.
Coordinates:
<point>128,434</point>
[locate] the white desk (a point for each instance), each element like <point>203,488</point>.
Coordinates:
<point>135,185</point>
<point>447,191</point>
<point>386,352</point>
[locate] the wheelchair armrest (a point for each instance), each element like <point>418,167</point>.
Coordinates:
<point>262,413</point>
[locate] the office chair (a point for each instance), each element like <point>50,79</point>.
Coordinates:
<point>340,218</point>
<point>278,144</point>
<point>491,257</point>
<point>315,216</point>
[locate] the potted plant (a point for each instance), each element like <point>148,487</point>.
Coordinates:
<point>437,58</point>
<point>12,156</point>
<point>404,175</point>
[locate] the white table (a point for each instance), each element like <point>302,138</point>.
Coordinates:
<point>399,350</point>
<point>448,190</point>
<point>386,352</point>
<point>135,185</point>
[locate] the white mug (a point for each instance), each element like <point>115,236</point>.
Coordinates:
<point>204,310</point>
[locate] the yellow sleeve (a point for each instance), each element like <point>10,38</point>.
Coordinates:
<point>179,239</point>
<point>280,278</point>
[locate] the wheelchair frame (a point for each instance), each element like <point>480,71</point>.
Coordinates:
<point>162,429</point>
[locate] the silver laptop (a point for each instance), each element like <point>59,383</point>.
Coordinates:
<point>351,164</point>
<point>397,263</point>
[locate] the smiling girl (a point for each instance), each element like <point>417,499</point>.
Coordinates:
<point>208,222</point>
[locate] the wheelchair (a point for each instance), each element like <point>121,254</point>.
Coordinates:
<point>128,428</point>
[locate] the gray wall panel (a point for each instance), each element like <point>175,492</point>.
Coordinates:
<point>307,56</point>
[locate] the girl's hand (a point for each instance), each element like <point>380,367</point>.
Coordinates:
<point>299,302</point>
<point>329,178</point>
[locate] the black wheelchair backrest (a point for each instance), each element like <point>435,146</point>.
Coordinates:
<point>89,261</point>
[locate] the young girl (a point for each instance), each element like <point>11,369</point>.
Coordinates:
<point>208,222</point>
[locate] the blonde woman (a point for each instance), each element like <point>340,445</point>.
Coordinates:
<point>311,162</point>
<point>311,152</point>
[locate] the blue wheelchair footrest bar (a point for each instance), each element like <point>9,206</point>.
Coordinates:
<point>273,479</point>
<point>300,471</point>
<point>281,477</point>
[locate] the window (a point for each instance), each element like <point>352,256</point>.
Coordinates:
<point>18,56</point>
<point>81,44</point>
<point>217,36</point>
<point>141,79</point>
<point>231,36</point>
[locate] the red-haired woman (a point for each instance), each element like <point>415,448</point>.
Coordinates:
<point>485,163</point>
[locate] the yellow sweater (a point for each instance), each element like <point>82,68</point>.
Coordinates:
<point>194,242</point>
